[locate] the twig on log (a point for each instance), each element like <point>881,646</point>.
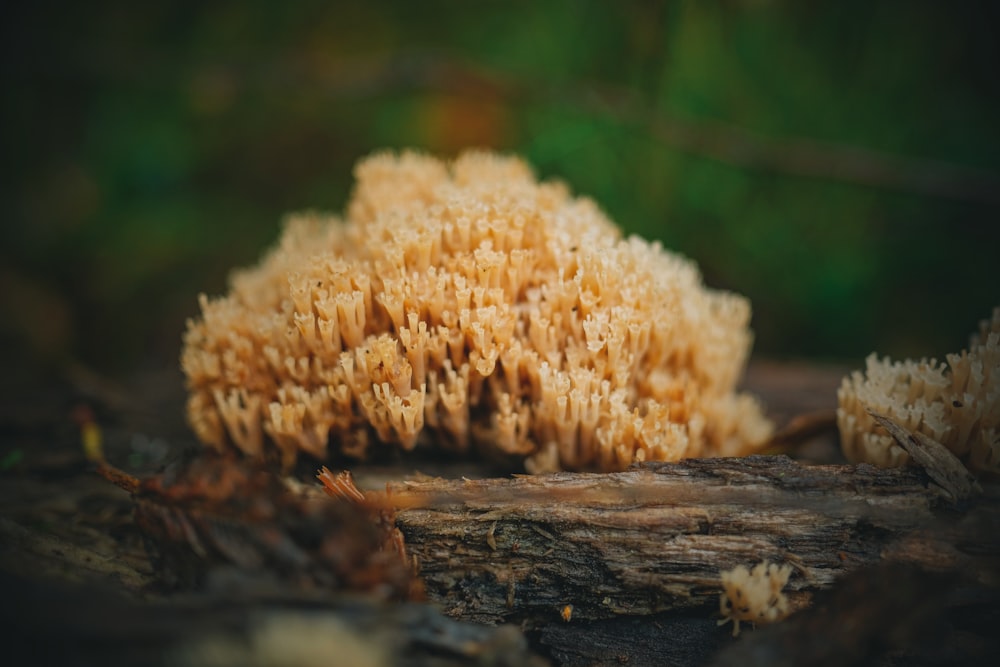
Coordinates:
<point>953,479</point>
<point>803,428</point>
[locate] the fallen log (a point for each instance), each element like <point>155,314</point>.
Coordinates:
<point>655,538</point>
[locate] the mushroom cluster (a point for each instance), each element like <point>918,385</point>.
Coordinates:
<point>956,403</point>
<point>754,595</point>
<point>467,305</point>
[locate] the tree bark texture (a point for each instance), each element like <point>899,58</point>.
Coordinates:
<point>655,538</point>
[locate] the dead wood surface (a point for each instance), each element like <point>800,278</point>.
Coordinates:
<point>655,538</point>
<point>635,554</point>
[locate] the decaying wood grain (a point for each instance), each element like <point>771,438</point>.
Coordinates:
<point>655,538</point>
<point>661,639</point>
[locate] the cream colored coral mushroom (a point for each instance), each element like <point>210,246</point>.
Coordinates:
<point>957,404</point>
<point>754,596</point>
<point>466,305</point>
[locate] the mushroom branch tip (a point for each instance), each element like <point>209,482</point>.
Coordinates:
<point>466,305</point>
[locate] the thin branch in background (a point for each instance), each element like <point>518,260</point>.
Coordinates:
<point>421,72</point>
<point>796,156</point>
<point>829,161</point>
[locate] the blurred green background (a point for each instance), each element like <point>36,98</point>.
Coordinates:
<point>837,162</point>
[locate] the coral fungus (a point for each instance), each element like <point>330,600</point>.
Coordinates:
<point>465,304</point>
<point>754,595</point>
<point>957,405</point>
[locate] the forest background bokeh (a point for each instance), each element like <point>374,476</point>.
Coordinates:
<point>837,162</point>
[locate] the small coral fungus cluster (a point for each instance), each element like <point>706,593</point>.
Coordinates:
<point>754,596</point>
<point>465,304</point>
<point>956,404</point>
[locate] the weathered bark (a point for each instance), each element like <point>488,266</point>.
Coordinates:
<point>655,538</point>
